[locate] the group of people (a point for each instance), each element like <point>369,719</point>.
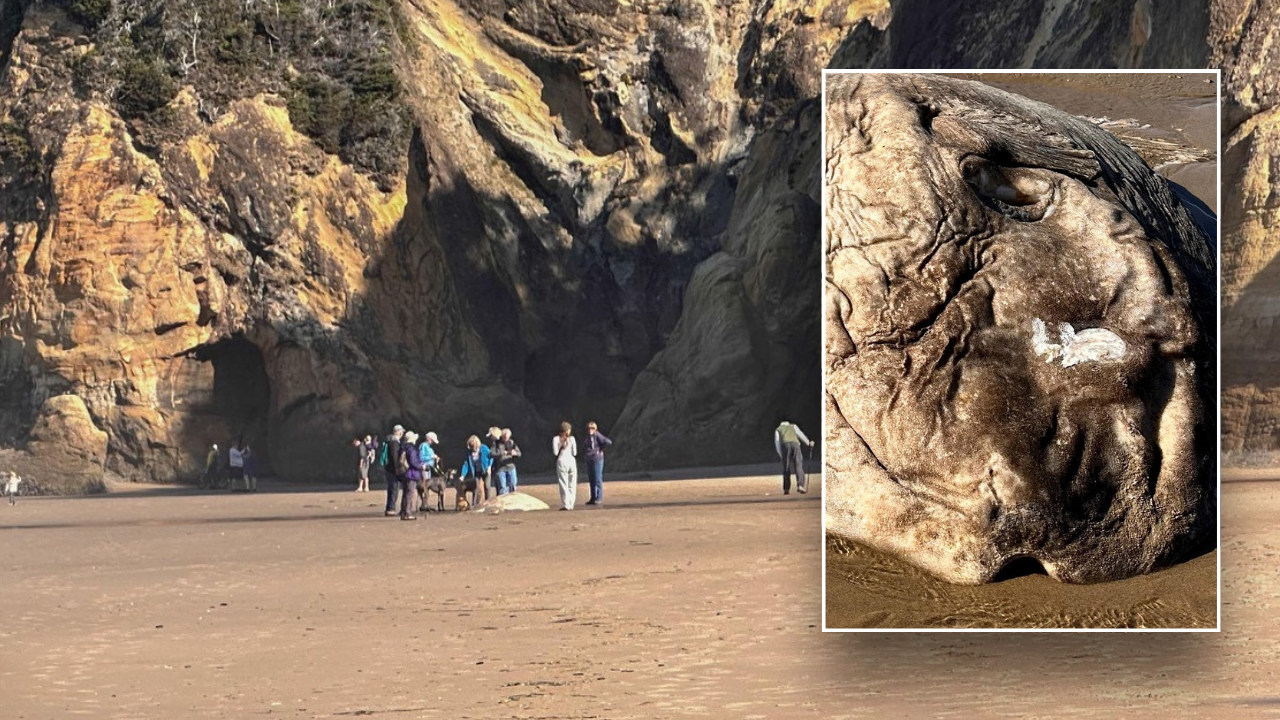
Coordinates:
<point>407,459</point>
<point>489,466</point>
<point>241,466</point>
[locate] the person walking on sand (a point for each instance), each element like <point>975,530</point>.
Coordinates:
<point>565,448</point>
<point>475,465</point>
<point>236,464</point>
<point>786,441</point>
<point>11,487</point>
<point>504,462</point>
<point>596,443</point>
<point>409,472</point>
<point>389,456</point>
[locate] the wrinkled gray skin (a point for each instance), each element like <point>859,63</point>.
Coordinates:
<point>961,434</point>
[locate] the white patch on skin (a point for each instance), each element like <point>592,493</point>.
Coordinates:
<point>1091,345</point>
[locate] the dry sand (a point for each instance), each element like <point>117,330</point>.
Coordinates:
<point>697,598</point>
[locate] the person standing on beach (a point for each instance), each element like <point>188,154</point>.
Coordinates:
<point>250,469</point>
<point>365,459</point>
<point>565,448</point>
<point>409,472</point>
<point>429,461</point>
<point>475,465</point>
<point>596,443</point>
<point>212,463</point>
<point>504,462</point>
<point>491,441</point>
<point>236,464</point>
<point>786,441</point>
<point>11,487</point>
<point>390,453</point>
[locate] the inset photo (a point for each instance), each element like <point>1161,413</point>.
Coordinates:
<point>1021,357</point>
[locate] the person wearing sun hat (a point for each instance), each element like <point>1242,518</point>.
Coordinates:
<point>492,441</point>
<point>430,460</point>
<point>409,472</point>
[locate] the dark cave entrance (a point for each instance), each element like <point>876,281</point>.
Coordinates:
<point>241,393</point>
<point>1019,567</point>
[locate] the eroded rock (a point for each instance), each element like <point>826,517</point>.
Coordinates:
<point>962,223</point>
<point>1245,49</point>
<point>67,452</point>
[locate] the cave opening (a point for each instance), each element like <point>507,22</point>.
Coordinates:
<point>241,393</point>
<point>1019,567</point>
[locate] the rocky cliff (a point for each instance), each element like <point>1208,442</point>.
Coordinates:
<point>293,221</point>
<point>1250,249</point>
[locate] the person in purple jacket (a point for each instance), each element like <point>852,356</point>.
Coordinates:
<point>595,445</point>
<point>409,471</point>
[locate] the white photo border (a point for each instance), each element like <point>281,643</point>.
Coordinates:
<point>1216,73</point>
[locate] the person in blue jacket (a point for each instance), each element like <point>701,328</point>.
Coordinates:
<point>475,464</point>
<point>409,472</point>
<point>430,462</point>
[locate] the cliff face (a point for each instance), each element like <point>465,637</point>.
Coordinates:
<point>294,225</point>
<point>1250,251</point>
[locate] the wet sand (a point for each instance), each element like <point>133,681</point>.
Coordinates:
<point>869,589</point>
<point>679,599</point>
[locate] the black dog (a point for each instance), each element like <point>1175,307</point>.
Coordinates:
<point>439,480</point>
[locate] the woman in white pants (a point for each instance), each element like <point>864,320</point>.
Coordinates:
<point>565,448</point>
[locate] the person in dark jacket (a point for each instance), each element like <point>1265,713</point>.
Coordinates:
<point>504,455</point>
<point>391,450</point>
<point>408,479</point>
<point>365,450</point>
<point>250,469</point>
<point>491,442</point>
<point>596,443</point>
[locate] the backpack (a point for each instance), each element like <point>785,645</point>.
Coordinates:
<point>402,462</point>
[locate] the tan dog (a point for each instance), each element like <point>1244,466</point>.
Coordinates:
<point>462,488</point>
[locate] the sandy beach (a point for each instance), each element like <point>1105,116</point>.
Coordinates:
<point>692,598</point>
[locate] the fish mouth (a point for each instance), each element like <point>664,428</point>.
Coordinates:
<point>1020,193</point>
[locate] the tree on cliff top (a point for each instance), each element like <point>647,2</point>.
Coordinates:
<point>332,61</point>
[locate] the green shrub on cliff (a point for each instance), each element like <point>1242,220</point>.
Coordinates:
<point>332,61</point>
<point>89,13</point>
<point>144,88</point>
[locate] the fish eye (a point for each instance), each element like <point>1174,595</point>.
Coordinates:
<point>1022,194</point>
